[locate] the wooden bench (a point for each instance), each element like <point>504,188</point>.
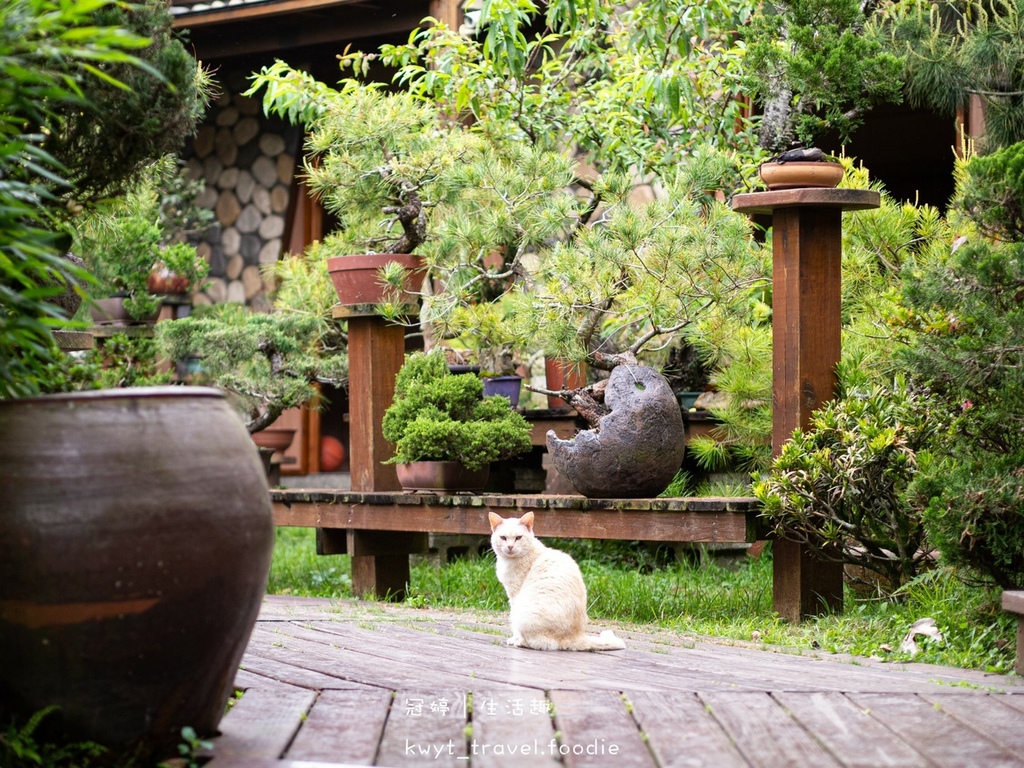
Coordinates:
<point>381,529</point>
<point>1013,602</point>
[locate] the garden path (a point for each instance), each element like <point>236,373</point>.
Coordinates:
<point>331,683</point>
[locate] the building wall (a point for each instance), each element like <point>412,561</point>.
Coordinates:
<point>248,163</point>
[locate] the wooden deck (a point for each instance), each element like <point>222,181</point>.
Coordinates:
<point>354,683</point>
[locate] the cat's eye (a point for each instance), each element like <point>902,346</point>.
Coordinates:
<point>504,538</point>
<point>518,538</point>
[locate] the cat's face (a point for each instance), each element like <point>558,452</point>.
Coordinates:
<point>511,537</point>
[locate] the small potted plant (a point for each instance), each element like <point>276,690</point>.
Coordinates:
<point>445,432</point>
<point>812,70</point>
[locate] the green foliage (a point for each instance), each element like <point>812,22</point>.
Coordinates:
<point>643,273</point>
<point>122,242</point>
<point>190,748</point>
<point>841,486</point>
<point>35,36</point>
<point>632,87</point>
<point>956,49</point>
<point>56,59</point>
<point>136,111</point>
<point>437,416</point>
<point>991,192</point>
<point>20,746</point>
<point>811,68</point>
<point>975,515</point>
<point>116,362</point>
<point>963,322</point>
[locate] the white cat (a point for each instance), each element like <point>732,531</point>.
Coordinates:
<point>546,593</point>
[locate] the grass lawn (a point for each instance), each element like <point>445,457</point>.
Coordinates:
<point>627,584</point>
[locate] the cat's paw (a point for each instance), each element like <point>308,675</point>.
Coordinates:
<point>516,641</point>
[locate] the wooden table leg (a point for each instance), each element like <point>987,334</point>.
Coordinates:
<point>380,562</point>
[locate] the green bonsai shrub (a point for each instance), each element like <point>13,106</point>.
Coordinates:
<point>842,485</point>
<point>439,416</point>
<point>811,69</point>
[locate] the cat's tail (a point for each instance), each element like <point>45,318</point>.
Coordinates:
<point>606,641</point>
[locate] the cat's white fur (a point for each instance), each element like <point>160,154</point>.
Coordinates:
<point>546,593</point>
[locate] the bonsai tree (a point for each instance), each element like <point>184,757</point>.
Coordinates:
<point>439,416</point>
<point>267,362</point>
<point>811,69</point>
<point>645,273</point>
<point>124,241</point>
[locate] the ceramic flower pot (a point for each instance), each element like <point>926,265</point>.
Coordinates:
<point>276,439</point>
<point>506,386</point>
<point>797,174</point>
<point>135,541</point>
<point>441,476</point>
<point>357,278</point>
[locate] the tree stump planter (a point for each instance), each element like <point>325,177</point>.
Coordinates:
<point>135,542</point>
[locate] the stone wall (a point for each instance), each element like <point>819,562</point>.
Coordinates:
<point>247,162</point>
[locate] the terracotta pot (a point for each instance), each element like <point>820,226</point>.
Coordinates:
<point>451,476</point>
<point>276,438</point>
<point>559,374</point>
<point>135,543</point>
<point>795,175</point>
<point>507,386</point>
<point>357,278</point>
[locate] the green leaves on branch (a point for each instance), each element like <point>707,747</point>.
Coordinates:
<point>842,485</point>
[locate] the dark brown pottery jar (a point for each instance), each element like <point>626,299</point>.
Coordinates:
<point>135,541</point>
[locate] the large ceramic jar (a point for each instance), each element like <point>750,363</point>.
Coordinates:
<point>135,541</point>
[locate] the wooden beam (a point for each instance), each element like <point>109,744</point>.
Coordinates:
<point>691,520</point>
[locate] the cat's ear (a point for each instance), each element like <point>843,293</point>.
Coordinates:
<point>527,520</point>
<point>495,520</point>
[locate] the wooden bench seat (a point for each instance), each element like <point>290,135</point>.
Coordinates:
<point>380,529</point>
<point>1013,602</point>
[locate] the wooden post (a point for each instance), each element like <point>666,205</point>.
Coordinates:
<point>376,351</point>
<point>806,333</point>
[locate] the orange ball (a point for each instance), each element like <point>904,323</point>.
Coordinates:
<point>332,454</point>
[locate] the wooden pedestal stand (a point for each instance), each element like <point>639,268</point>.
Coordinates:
<point>376,351</point>
<point>806,326</point>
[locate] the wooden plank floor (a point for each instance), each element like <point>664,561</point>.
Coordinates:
<point>329,683</point>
